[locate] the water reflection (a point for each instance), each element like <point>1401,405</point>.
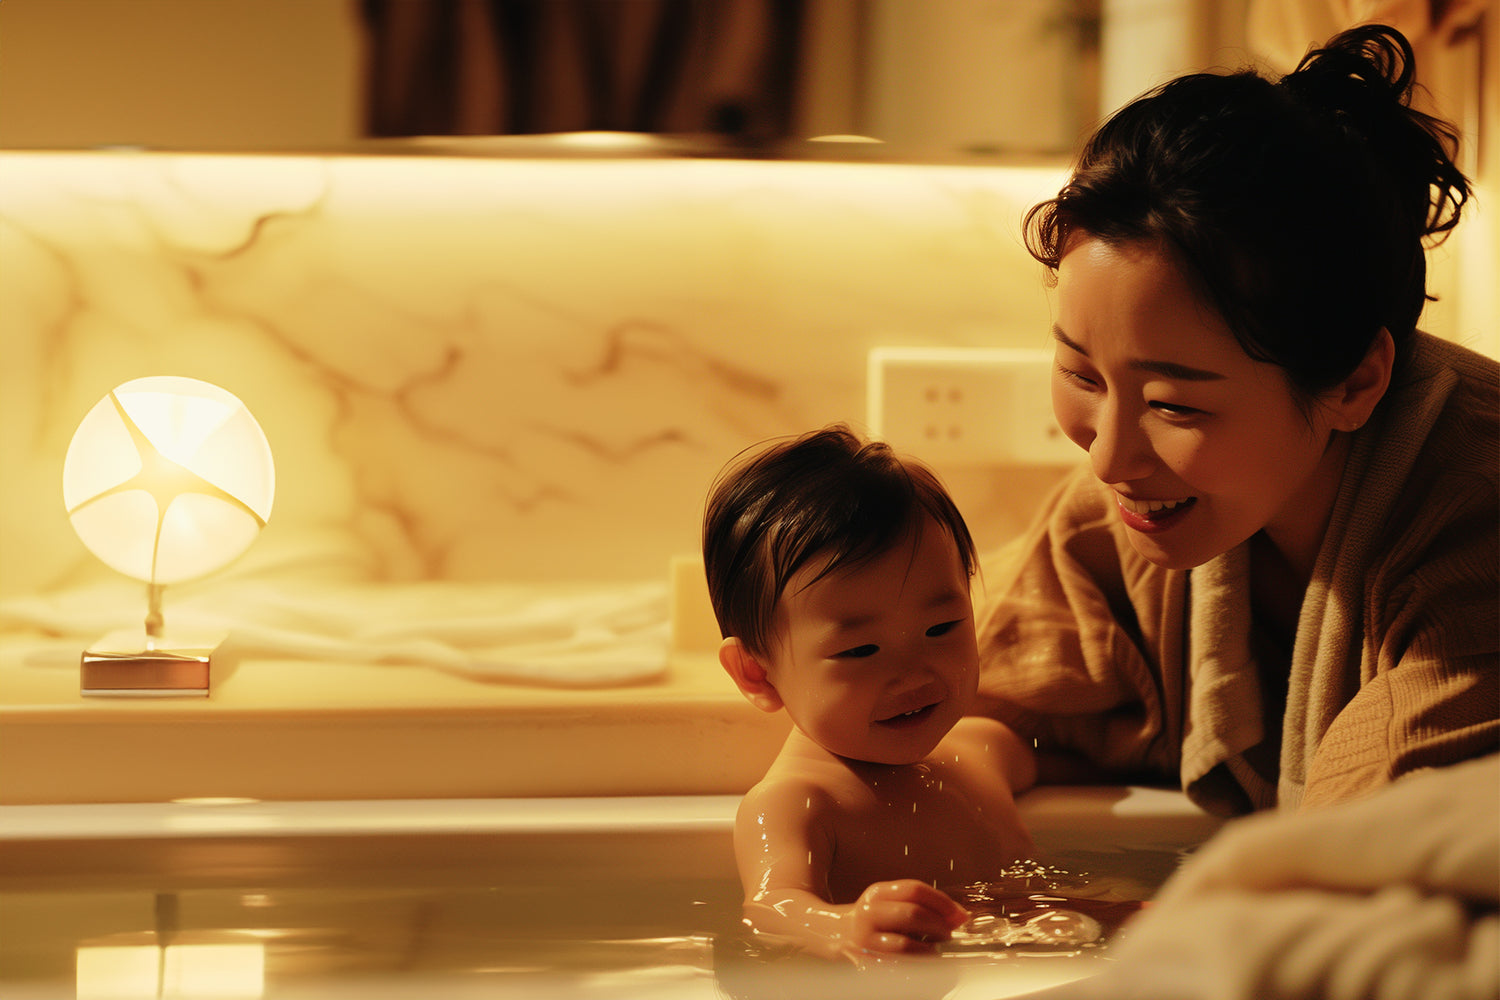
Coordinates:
<point>149,970</point>
<point>522,931</point>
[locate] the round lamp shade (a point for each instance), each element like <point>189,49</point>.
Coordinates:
<point>168,479</point>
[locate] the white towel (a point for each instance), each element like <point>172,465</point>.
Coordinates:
<point>1393,896</point>
<point>563,634</point>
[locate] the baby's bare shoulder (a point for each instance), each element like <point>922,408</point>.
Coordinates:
<point>977,738</point>
<point>811,790</point>
<point>986,745</point>
<point>980,727</point>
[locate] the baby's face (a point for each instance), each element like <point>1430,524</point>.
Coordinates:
<point>877,662</point>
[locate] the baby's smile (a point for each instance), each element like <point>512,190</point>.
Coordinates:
<point>913,717</point>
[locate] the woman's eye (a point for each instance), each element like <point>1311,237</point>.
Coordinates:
<point>858,652</point>
<point>943,629</point>
<point>1173,409</point>
<point>1078,378</point>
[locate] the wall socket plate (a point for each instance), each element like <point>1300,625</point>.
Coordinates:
<point>966,406</point>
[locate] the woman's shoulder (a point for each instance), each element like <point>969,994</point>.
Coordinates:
<point>1451,401</point>
<point>1425,508</point>
<point>1464,381</point>
<point>1436,350</point>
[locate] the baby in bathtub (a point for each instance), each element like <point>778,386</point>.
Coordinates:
<point>839,574</point>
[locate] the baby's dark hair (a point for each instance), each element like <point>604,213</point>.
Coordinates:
<point>826,493</point>
<point>1299,207</point>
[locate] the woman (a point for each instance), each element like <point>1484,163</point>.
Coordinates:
<point>1276,579</point>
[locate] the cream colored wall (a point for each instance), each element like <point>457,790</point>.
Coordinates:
<point>209,74</point>
<point>1477,247</point>
<point>478,369</point>
<point>484,369</point>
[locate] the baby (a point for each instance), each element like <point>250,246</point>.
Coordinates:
<point>839,574</point>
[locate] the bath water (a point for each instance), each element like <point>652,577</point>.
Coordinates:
<point>538,933</point>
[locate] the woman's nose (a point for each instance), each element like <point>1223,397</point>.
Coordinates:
<point>1119,451</point>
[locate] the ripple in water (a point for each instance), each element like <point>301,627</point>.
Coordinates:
<point>1036,907</point>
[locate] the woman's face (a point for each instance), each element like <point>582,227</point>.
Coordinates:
<point>1202,445</point>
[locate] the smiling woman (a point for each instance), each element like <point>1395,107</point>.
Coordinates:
<point>1276,581</point>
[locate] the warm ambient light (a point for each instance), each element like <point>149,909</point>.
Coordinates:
<point>234,971</point>
<point>167,479</point>
<point>846,138</point>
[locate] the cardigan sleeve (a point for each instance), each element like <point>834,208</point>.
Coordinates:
<point>1070,639</point>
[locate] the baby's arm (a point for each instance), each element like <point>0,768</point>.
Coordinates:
<point>784,846</point>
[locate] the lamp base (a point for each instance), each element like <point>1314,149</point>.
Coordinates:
<point>128,664</point>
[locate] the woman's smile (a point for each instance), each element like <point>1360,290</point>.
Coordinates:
<point>1153,515</point>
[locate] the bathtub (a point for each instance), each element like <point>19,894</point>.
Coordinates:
<point>609,897</point>
<point>331,829</point>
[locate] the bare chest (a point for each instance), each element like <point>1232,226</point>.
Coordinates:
<point>941,825</point>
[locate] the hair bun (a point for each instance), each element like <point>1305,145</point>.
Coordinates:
<point>1372,55</point>
<point>1363,80</point>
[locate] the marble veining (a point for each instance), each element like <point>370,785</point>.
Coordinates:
<point>475,369</point>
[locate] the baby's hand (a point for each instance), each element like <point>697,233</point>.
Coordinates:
<point>905,916</point>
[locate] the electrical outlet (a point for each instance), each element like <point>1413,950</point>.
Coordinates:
<point>966,406</point>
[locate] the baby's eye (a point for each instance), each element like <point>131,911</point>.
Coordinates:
<point>858,652</point>
<point>944,628</point>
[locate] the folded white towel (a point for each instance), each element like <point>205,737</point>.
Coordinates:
<point>563,634</point>
<point>1393,896</point>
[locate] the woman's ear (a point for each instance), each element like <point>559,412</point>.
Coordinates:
<point>1354,399</point>
<point>749,675</point>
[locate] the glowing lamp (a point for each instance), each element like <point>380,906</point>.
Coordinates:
<point>167,479</point>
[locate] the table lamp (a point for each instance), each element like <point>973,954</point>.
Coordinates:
<point>167,479</point>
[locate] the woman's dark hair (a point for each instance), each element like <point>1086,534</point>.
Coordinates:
<point>826,493</point>
<point>1298,207</point>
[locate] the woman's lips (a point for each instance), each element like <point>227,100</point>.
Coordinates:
<point>1150,516</point>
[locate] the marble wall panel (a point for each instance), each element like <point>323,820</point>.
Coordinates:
<point>487,369</point>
